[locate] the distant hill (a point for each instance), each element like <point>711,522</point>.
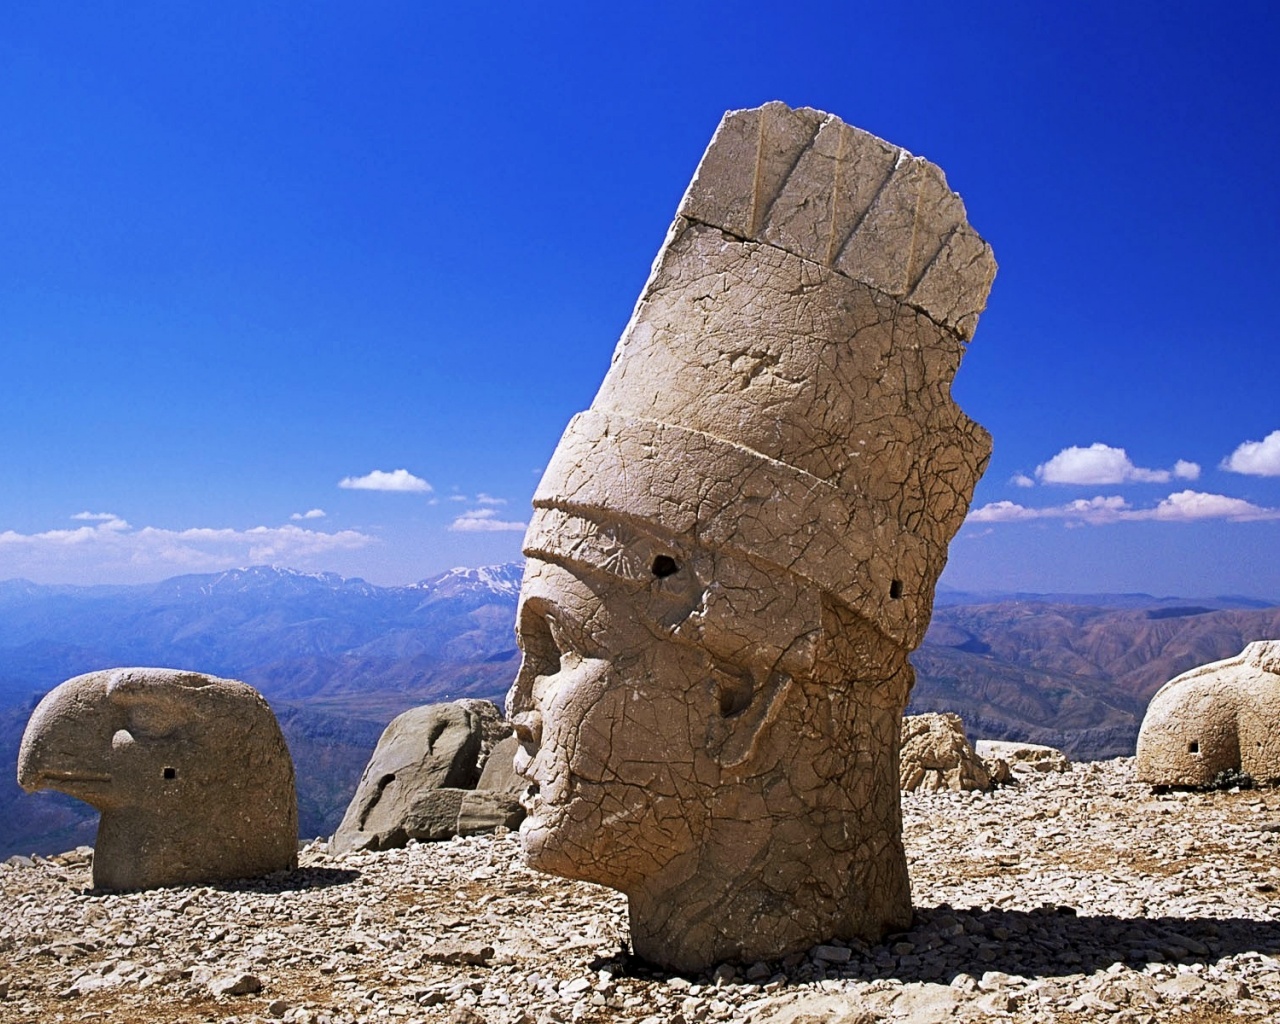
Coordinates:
<point>338,658</point>
<point>1074,676</point>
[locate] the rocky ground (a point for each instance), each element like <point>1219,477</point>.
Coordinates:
<point>1066,897</point>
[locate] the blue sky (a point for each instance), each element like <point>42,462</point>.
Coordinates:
<point>259,262</point>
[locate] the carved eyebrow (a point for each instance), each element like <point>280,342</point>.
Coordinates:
<point>602,546</point>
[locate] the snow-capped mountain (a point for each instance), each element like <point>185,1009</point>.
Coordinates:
<point>503,580</point>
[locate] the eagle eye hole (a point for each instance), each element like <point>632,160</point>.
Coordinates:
<point>170,773</point>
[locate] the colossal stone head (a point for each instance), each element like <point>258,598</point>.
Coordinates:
<point>734,549</point>
<point>190,772</point>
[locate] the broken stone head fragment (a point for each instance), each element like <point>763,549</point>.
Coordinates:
<point>191,774</point>
<point>734,549</point>
<point>934,754</point>
<point>426,779</point>
<point>1216,722</point>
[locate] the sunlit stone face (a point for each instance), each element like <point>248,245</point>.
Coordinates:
<point>694,726</point>
<point>635,695</point>
<point>606,713</point>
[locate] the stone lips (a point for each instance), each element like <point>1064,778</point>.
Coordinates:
<point>191,774</point>
<point>1217,719</point>
<point>734,549</point>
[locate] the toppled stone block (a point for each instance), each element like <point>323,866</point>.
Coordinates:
<point>735,547</point>
<point>191,774</point>
<point>499,774</point>
<point>236,983</point>
<point>1215,722</point>
<point>421,781</point>
<point>935,755</point>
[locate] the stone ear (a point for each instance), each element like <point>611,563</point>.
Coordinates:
<point>760,632</point>
<point>745,714</point>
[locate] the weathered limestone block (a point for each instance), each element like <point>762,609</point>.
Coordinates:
<point>734,549</point>
<point>936,755</point>
<point>1023,756</point>
<point>998,770</point>
<point>1220,717</point>
<point>419,782</point>
<point>191,774</point>
<point>499,774</point>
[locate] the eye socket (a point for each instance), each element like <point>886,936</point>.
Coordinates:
<point>664,566</point>
<point>559,637</point>
<point>538,643</point>
<point>550,642</point>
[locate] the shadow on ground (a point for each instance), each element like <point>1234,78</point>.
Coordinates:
<point>944,943</point>
<point>292,881</point>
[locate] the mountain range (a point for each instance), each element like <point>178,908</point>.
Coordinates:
<point>338,658</point>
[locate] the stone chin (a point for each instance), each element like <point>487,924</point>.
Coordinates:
<point>557,841</point>
<point>538,843</point>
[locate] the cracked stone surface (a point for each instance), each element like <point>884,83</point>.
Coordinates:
<point>1219,718</point>
<point>191,774</point>
<point>734,549</point>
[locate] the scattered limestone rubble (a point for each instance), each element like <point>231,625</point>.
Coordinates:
<point>1215,720</point>
<point>1019,756</point>
<point>1068,897</point>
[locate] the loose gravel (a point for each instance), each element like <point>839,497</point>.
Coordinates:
<point>1077,896</point>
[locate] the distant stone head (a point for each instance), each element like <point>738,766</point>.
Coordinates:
<point>1215,723</point>
<point>191,774</point>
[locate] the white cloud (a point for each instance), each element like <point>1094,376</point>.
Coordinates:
<point>113,550</point>
<point>315,513</point>
<point>1256,458</point>
<point>95,517</point>
<point>1181,507</point>
<point>1097,509</point>
<point>1189,506</point>
<point>488,499</point>
<point>1102,464</point>
<point>457,497</point>
<point>483,520</point>
<point>380,480</point>
<point>1022,480</point>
